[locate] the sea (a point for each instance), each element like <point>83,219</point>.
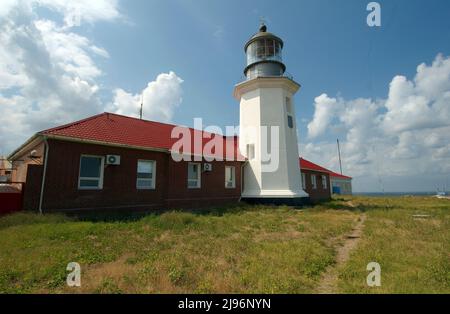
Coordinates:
<point>381,194</point>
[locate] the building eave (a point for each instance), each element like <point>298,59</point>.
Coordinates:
<point>316,170</point>
<point>30,143</point>
<point>265,82</point>
<point>110,144</point>
<point>340,178</point>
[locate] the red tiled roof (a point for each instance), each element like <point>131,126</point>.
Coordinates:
<point>306,164</point>
<point>110,128</point>
<point>117,129</point>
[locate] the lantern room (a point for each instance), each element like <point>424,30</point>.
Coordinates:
<point>263,52</point>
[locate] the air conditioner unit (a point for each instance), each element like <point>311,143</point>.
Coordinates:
<point>113,160</point>
<point>230,184</point>
<point>207,167</point>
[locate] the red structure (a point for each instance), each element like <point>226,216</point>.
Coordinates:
<point>315,180</point>
<point>10,198</point>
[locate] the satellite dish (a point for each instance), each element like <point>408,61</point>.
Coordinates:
<point>34,154</point>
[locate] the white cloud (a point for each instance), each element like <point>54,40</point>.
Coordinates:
<point>406,134</point>
<point>83,10</point>
<point>325,109</point>
<point>161,97</point>
<point>47,71</point>
<point>73,12</point>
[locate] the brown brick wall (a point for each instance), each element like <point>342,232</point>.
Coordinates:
<point>212,190</point>
<point>32,187</point>
<point>119,182</point>
<point>21,163</point>
<point>318,194</point>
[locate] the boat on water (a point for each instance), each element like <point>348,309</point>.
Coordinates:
<point>442,194</point>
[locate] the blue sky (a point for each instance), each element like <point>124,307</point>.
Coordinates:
<point>329,49</point>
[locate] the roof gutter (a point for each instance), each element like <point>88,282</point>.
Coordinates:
<point>88,141</point>
<point>322,171</point>
<point>43,174</point>
<point>110,144</point>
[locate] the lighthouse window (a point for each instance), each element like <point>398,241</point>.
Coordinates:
<point>260,49</point>
<point>290,121</point>
<point>265,48</point>
<point>270,47</point>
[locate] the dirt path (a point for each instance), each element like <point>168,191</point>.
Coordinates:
<point>328,282</point>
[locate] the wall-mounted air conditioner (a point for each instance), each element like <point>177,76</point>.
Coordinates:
<point>207,167</point>
<point>113,160</point>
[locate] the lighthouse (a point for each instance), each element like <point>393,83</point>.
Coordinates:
<point>268,130</point>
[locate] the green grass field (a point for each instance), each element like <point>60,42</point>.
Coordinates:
<point>243,249</point>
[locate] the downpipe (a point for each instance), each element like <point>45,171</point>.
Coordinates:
<point>43,174</point>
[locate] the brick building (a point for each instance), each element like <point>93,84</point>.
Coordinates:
<point>315,180</point>
<point>5,170</point>
<point>341,184</point>
<point>72,161</point>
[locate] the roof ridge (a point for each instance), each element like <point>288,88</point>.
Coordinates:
<point>169,124</point>
<point>330,172</point>
<point>64,126</point>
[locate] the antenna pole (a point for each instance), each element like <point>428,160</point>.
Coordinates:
<point>261,20</point>
<point>142,105</point>
<point>339,154</point>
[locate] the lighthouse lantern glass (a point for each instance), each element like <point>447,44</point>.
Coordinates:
<point>263,49</point>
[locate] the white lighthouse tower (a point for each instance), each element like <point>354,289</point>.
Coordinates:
<point>268,130</point>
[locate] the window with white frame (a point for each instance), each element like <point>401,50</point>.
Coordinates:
<point>146,170</point>
<point>91,172</point>
<point>324,182</point>
<point>314,181</point>
<point>230,181</point>
<point>194,175</point>
<point>303,181</point>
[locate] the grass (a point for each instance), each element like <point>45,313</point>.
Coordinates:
<point>414,254</point>
<point>242,249</point>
